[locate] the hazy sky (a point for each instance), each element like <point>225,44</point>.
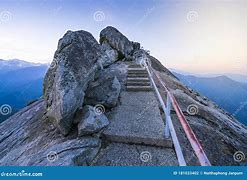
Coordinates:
<point>198,36</point>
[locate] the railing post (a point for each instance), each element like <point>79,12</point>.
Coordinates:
<point>168,115</point>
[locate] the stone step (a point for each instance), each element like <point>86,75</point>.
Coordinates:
<point>135,66</point>
<point>121,154</point>
<point>138,83</point>
<point>137,75</point>
<point>140,79</point>
<point>159,142</point>
<point>137,72</point>
<point>139,88</point>
<point>137,69</point>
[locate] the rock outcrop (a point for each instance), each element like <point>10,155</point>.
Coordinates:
<point>91,121</point>
<point>111,53</point>
<point>134,133</point>
<point>104,91</point>
<point>117,41</point>
<point>75,63</point>
<point>29,139</point>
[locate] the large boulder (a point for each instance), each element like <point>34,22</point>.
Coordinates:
<point>118,69</point>
<point>118,41</point>
<point>91,121</point>
<point>75,62</point>
<point>112,54</point>
<point>104,90</point>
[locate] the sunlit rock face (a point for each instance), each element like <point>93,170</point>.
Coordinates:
<point>74,65</point>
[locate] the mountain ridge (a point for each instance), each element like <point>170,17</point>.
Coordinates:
<point>20,84</point>
<point>227,93</point>
<point>15,64</point>
<point>234,76</point>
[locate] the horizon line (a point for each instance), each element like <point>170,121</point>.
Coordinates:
<point>169,68</point>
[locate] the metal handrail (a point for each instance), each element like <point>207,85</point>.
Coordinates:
<point>169,130</point>
<point>197,147</point>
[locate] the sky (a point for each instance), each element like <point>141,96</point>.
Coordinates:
<point>199,36</point>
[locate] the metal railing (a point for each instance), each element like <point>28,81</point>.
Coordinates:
<point>169,128</point>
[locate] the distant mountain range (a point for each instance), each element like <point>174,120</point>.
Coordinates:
<point>15,64</point>
<point>20,83</point>
<point>229,94</point>
<point>235,77</point>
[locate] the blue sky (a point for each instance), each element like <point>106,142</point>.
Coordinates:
<point>198,36</point>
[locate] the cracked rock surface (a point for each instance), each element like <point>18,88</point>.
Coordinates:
<point>31,140</point>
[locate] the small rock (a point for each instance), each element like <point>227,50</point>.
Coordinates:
<point>201,100</point>
<point>103,91</point>
<point>136,45</point>
<point>112,54</point>
<point>91,122</point>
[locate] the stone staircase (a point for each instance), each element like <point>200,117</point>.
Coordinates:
<point>137,79</point>
<point>136,127</point>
